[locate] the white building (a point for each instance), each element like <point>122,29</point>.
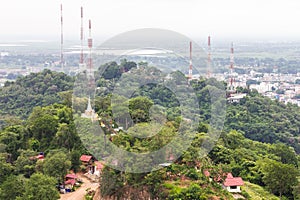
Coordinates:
<point>235,98</point>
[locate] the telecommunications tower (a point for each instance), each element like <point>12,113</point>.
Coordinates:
<point>61,39</point>
<point>231,88</point>
<point>191,63</point>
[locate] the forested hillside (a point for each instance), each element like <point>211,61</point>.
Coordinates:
<point>37,89</point>
<point>259,142</point>
<point>262,119</point>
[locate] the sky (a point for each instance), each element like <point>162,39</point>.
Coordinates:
<point>40,19</point>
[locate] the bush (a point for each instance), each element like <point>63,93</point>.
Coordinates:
<point>192,174</point>
<point>245,194</point>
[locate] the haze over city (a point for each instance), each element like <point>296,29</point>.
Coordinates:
<point>40,20</point>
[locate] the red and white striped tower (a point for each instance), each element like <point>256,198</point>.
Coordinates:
<point>90,71</point>
<point>61,39</point>
<point>191,64</point>
<point>231,77</point>
<point>81,64</point>
<point>209,58</point>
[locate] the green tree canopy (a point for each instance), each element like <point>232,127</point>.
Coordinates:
<point>57,165</point>
<point>39,187</point>
<point>13,187</point>
<point>139,108</point>
<point>278,177</point>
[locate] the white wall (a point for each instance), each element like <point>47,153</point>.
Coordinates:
<point>238,189</point>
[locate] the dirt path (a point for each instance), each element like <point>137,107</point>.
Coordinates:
<point>80,192</point>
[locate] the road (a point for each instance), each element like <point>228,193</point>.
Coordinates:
<point>80,192</point>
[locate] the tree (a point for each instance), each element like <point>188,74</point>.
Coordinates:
<point>296,191</point>
<point>127,65</point>
<point>112,70</point>
<point>37,89</point>
<point>67,98</point>
<point>279,178</point>
<point>110,182</point>
<point>11,141</point>
<point>154,180</point>
<point>139,109</point>
<point>65,136</point>
<point>286,154</point>
<point>194,191</point>
<point>57,166</point>
<point>221,154</point>
<point>75,155</point>
<point>6,169</point>
<point>25,163</point>
<point>13,187</point>
<point>39,187</point>
<point>43,125</point>
<point>14,138</point>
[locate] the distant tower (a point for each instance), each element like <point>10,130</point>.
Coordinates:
<point>90,71</point>
<point>61,39</point>
<point>231,70</point>
<point>81,64</point>
<point>191,64</point>
<point>209,58</point>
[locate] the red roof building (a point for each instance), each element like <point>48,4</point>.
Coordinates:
<point>71,176</point>
<point>233,181</point>
<point>88,162</point>
<point>40,157</point>
<point>70,182</point>
<point>232,184</point>
<point>86,158</point>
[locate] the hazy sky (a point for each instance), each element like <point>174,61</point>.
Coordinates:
<point>40,19</point>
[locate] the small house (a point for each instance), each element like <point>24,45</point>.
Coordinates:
<point>70,181</point>
<point>233,184</point>
<point>88,162</point>
<point>41,157</point>
<point>230,183</point>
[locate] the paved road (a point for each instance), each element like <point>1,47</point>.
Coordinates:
<point>80,192</point>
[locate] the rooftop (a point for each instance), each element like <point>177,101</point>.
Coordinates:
<point>233,181</point>
<point>85,158</point>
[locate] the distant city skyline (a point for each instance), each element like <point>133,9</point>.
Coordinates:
<point>39,20</point>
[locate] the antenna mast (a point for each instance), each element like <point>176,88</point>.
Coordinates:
<point>231,78</point>
<point>209,58</point>
<point>191,63</point>
<point>90,62</point>
<point>61,39</point>
<point>81,39</point>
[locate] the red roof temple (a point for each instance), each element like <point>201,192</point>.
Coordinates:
<point>233,181</point>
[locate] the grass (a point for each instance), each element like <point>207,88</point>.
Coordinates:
<point>257,192</point>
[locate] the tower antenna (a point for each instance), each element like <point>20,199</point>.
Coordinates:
<point>191,63</point>
<point>81,39</point>
<point>61,39</point>
<point>231,70</point>
<point>209,58</point>
<point>90,62</point>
